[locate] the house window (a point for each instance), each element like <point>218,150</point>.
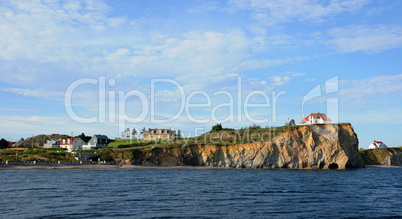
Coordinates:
<point>152,136</point>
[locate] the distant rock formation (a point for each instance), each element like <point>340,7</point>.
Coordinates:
<point>324,146</point>
<point>383,156</point>
<point>39,140</point>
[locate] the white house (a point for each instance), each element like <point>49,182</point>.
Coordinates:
<point>72,144</point>
<point>316,118</point>
<point>127,134</point>
<point>52,144</point>
<point>97,141</point>
<point>377,144</point>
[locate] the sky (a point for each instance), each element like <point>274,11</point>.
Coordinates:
<point>98,67</point>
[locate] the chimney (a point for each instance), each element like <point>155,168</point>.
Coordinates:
<point>149,129</point>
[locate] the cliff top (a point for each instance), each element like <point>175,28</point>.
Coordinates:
<point>224,137</point>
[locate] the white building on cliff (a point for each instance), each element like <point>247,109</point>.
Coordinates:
<point>316,118</point>
<point>377,144</point>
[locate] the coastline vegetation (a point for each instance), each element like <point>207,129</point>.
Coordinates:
<point>124,149</point>
<point>35,153</point>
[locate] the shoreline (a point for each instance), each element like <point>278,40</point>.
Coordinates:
<point>98,167</point>
<point>123,167</point>
<point>382,166</point>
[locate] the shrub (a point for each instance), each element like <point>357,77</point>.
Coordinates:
<point>217,127</point>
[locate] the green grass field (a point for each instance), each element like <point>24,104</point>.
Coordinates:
<point>117,142</point>
<point>130,142</point>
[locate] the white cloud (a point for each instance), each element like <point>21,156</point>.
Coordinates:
<point>252,64</point>
<point>50,41</point>
<point>27,126</point>
<point>34,93</point>
<point>371,91</point>
<point>15,109</point>
<point>279,80</point>
<point>364,38</point>
<point>275,11</point>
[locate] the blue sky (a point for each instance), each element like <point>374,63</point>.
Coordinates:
<point>207,47</point>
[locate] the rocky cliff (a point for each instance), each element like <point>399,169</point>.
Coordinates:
<point>383,156</point>
<point>330,146</point>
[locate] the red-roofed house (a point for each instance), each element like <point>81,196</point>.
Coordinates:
<point>72,144</point>
<point>316,118</point>
<point>377,144</point>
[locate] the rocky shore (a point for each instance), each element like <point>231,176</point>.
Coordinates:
<point>330,146</point>
<point>323,146</point>
<point>383,156</point>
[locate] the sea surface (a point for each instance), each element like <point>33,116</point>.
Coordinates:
<point>201,193</point>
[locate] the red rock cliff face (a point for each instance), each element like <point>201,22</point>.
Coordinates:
<point>329,146</point>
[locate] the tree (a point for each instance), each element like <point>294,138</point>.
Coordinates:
<point>217,127</point>
<point>254,126</point>
<point>292,122</point>
<point>134,131</point>
<point>178,134</point>
<point>143,130</point>
<point>3,143</point>
<point>84,137</point>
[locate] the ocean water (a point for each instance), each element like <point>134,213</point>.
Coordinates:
<point>201,193</point>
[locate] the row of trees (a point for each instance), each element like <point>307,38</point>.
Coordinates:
<point>218,127</point>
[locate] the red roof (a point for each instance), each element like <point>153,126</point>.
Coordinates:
<point>378,142</point>
<point>71,141</point>
<point>317,116</point>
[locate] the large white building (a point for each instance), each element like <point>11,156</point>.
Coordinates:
<point>316,118</point>
<point>377,144</point>
<point>72,144</point>
<point>160,134</point>
<point>127,134</point>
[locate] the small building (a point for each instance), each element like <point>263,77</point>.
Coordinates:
<point>159,134</point>
<point>52,144</point>
<point>97,141</point>
<point>316,118</point>
<point>72,144</point>
<point>127,134</point>
<point>377,144</point>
